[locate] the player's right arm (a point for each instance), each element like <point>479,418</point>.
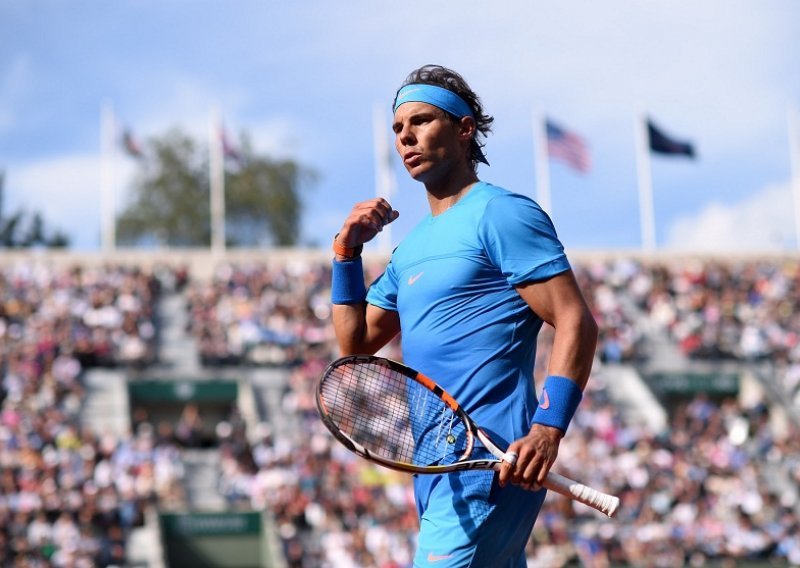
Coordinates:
<point>363,328</point>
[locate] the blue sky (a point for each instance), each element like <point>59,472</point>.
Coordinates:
<point>302,78</point>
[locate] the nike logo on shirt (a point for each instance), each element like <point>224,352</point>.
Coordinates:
<point>412,279</point>
<point>438,557</point>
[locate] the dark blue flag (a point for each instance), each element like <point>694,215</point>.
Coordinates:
<point>660,143</point>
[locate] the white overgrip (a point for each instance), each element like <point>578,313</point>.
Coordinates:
<point>603,502</point>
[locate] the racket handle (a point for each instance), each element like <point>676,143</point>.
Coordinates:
<point>603,502</point>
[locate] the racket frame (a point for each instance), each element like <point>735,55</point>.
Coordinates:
<point>605,503</point>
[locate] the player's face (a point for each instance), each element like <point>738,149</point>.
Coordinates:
<point>428,141</point>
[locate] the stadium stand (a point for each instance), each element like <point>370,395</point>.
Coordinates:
<point>707,469</point>
<point>71,495</point>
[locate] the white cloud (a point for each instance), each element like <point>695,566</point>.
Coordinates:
<point>282,137</point>
<point>191,103</point>
<point>66,190</point>
<point>187,104</point>
<point>764,221</point>
<point>692,64</point>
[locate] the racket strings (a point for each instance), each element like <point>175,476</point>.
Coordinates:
<point>392,415</point>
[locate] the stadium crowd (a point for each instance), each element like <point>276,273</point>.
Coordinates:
<point>742,310</point>
<point>252,314</point>
<point>334,510</point>
<point>706,490</point>
<point>701,493</point>
<point>256,314</point>
<point>69,496</point>
<point>746,311</point>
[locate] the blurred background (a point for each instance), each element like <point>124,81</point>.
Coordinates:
<point>172,174</point>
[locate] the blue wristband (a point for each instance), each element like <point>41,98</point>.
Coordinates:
<point>347,282</point>
<point>560,398</point>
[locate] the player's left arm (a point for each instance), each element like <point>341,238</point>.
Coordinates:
<point>559,302</point>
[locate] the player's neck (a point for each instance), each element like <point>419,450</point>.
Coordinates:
<point>442,196</point>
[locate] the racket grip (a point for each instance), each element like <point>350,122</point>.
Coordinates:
<point>603,502</point>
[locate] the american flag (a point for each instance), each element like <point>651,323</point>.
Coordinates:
<point>568,147</point>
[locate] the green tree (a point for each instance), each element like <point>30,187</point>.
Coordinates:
<point>26,230</point>
<point>170,201</point>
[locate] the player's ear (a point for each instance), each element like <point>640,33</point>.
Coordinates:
<point>466,128</point>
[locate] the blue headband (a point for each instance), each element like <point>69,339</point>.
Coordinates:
<point>433,95</point>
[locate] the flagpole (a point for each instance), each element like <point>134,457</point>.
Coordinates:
<point>108,135</point>
<point>794,158</point>
<point>216,183</point>
<point>2,189</point>
<point>542,163</point>
<point>385,181</point>
<point>646,208</point>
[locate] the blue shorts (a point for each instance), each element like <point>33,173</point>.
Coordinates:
<point>468,520</point>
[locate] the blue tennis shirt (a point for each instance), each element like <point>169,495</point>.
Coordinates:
<point>452,280</point>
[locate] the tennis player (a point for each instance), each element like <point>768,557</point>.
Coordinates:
<point>469,288</point>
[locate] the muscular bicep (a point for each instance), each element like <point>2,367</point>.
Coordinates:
<point>363,328</point>
<point>382,327</point>
<point>554,297</point>
<point>559,302</point>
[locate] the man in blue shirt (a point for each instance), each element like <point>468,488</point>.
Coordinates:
<point>469,288</point>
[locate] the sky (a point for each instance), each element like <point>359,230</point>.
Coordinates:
<point>302,80</point>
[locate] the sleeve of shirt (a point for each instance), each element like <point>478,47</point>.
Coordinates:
<point>383,291</point>
<point>520,239</point>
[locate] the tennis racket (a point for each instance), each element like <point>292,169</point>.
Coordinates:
<point>397,417</point>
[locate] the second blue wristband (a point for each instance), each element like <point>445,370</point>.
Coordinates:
<point>560,398</point>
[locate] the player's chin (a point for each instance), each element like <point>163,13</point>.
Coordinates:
<point>419,172</point>
<point>415,173</point>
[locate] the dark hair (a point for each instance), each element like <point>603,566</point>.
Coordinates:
<point>452,81</point>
